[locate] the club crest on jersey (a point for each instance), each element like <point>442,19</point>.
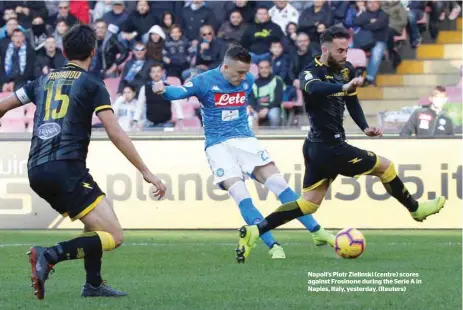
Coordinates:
<point>345,74</point>
<point>237,99</point>
<point>189,84</point>
<point>308,75</point>
<point>245,86</point>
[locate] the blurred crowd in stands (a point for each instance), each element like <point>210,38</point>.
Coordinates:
<point>144,41</point>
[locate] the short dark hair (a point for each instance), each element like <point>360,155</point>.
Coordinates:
<point>440,89</point>
<point>61,20</point>
<point>99,20</point>
<point>17,30</point>
<point>132,88</point>
<point>238,53</point>
<point>156,64</point>
<point>79,42</point>
<point>334,32</point>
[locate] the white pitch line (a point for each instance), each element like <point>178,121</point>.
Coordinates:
<point>156,244</point>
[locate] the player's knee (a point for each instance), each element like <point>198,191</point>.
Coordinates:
<point>118,237</point>
<point>306,205</point>
<point>110,240</point>
<point>386,171</point>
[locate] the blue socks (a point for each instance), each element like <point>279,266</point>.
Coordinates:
<point>308,221</point>
<point>252,216</point>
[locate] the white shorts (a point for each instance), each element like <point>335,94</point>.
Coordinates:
<point>235,158</point>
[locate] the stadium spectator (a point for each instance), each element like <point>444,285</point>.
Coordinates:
<point>26,10</point>
<point>291,35</point>
<point>125,108</point>
<point>267,95</point>
<point>63,13</point>
<point>283,13</point>
<point>415,13</point>
<point>49,58</point>
<point>453,9</point>
<point>8,14</point>
<point>398,18</point>
<point>280,61</point>
<point>155,44</point>
<point>259,35</point>
<point>39,32</point>
<point>61,28</point>
<point>137,25</point>
<point>194,16</point>
<point>306,51</point>
<point>152,109</point>
<point>101,8</point>
<point>117,16</point>
<point>374,25</point>
<point>338,11</point>
<point>52,9</point>
<point>7,30</point>
<point>136,70</point>
<point>315,19</point>
<point>110,53</point>
<point>232,31</point>
<point>81,10</point>
<point>158,8</point>
<point>209,53</point>
<point>351,12</point>
<point>431,120</point>
<point>167,22</point>
<point>245,7</point>
<point>217,8</point>
<point>300,6</point>
<point>176,56</point>
<point>437,10</point>
<point>17,62</point>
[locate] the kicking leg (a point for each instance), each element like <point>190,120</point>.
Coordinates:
<point>239,193</point>
<point>396,188</point>
<point>270,176</point>
<point>307,204</point>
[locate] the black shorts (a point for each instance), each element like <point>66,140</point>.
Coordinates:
<point>67,186</point>
<point>323,162</point>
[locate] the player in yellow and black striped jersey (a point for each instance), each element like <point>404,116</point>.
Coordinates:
<point>329,86</point>
<point>66,100</point>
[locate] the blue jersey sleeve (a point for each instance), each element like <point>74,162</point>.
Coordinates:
<point>26,94</point>
<point>189,89</point>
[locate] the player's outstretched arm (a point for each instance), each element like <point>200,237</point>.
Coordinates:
<point>9,103</point>
<point>122,141</point>
<point>174,92</point>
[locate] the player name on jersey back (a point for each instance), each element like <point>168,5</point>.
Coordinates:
<point>237,99</point>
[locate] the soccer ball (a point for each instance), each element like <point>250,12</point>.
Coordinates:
<point>349,243</point>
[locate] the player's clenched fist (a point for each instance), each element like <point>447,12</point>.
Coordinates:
<point>158,87</point>
<point>159,187</point>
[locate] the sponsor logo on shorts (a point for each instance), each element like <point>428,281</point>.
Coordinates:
<point>220,172</point>
<point>237,99</point>
<point>48,131</point>
<point>355,160</point>
<point>86,185</point>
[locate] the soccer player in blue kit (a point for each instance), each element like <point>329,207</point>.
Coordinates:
<point>231,148</point>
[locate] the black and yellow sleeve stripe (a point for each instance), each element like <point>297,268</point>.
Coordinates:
<point>103,108</point>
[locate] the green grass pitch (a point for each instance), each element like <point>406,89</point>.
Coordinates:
<point>197,270</point>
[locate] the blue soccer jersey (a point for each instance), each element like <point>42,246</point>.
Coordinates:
<point>223,106</point>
